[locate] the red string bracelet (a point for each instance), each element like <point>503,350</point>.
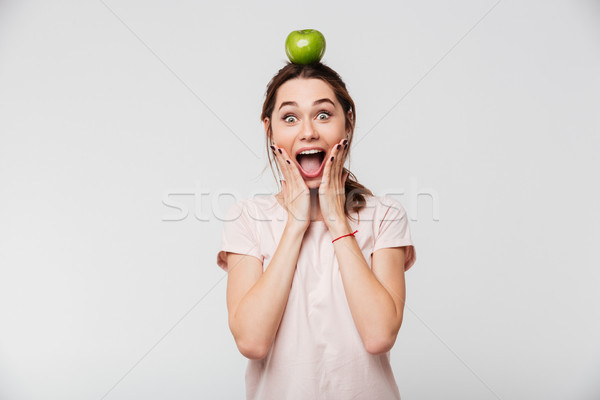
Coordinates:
<point>350,234</point>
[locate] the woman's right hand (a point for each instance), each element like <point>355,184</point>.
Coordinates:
<point>296,195</point>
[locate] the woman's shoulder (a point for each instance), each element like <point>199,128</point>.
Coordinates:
<point>260,201</point>
<point>259,207</point>
<point>378,205</point>
<point>264,201</point>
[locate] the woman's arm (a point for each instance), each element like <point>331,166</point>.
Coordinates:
<point>255,313</point>
<point>375,295</point>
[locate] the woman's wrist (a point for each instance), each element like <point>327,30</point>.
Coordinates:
<point>339,228</point>
<point>295,225</point>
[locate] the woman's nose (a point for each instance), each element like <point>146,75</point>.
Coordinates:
<point>309,131</point>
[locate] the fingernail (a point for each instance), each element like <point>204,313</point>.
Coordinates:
<point>339,146</point>
<point>346,145</point>
<point>273,147</point>
<point>345,141</point>
<point>331,158</point>
<point>280,152</point>
<point>288,161</point>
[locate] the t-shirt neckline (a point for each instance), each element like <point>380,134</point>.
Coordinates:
<point>274,199</point>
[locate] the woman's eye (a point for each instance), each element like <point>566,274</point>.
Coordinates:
<point>287,117</point>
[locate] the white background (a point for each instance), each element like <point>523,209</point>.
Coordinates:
<point>483,113</point>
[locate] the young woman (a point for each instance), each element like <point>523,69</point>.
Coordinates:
<point>315,289</point>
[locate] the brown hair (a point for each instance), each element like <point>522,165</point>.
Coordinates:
<point>354,191</point>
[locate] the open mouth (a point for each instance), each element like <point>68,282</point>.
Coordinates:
<point>311,165</point>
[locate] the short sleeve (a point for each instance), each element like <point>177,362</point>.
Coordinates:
<point>394,230</point>
<point>238,235</point>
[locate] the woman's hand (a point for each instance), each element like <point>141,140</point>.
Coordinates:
<point>296,195</point>
<point>332,196</point>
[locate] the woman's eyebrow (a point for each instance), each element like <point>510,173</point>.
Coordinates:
<point>293,103</point>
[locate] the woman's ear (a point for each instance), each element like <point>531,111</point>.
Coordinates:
<point>266,124</point>
<point>351,118</point>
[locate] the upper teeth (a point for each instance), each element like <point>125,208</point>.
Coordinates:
<point>311,151</point>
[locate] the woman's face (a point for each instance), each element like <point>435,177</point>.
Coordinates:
<point>307,114</point>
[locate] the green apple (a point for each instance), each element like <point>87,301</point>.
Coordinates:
<point>305,46</point>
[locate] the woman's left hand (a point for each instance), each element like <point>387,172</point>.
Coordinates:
<point>332,196</point>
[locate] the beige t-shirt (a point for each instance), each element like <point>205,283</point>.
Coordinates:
<point>317,352</point>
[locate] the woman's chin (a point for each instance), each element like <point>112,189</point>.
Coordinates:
<point>313,183</point>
